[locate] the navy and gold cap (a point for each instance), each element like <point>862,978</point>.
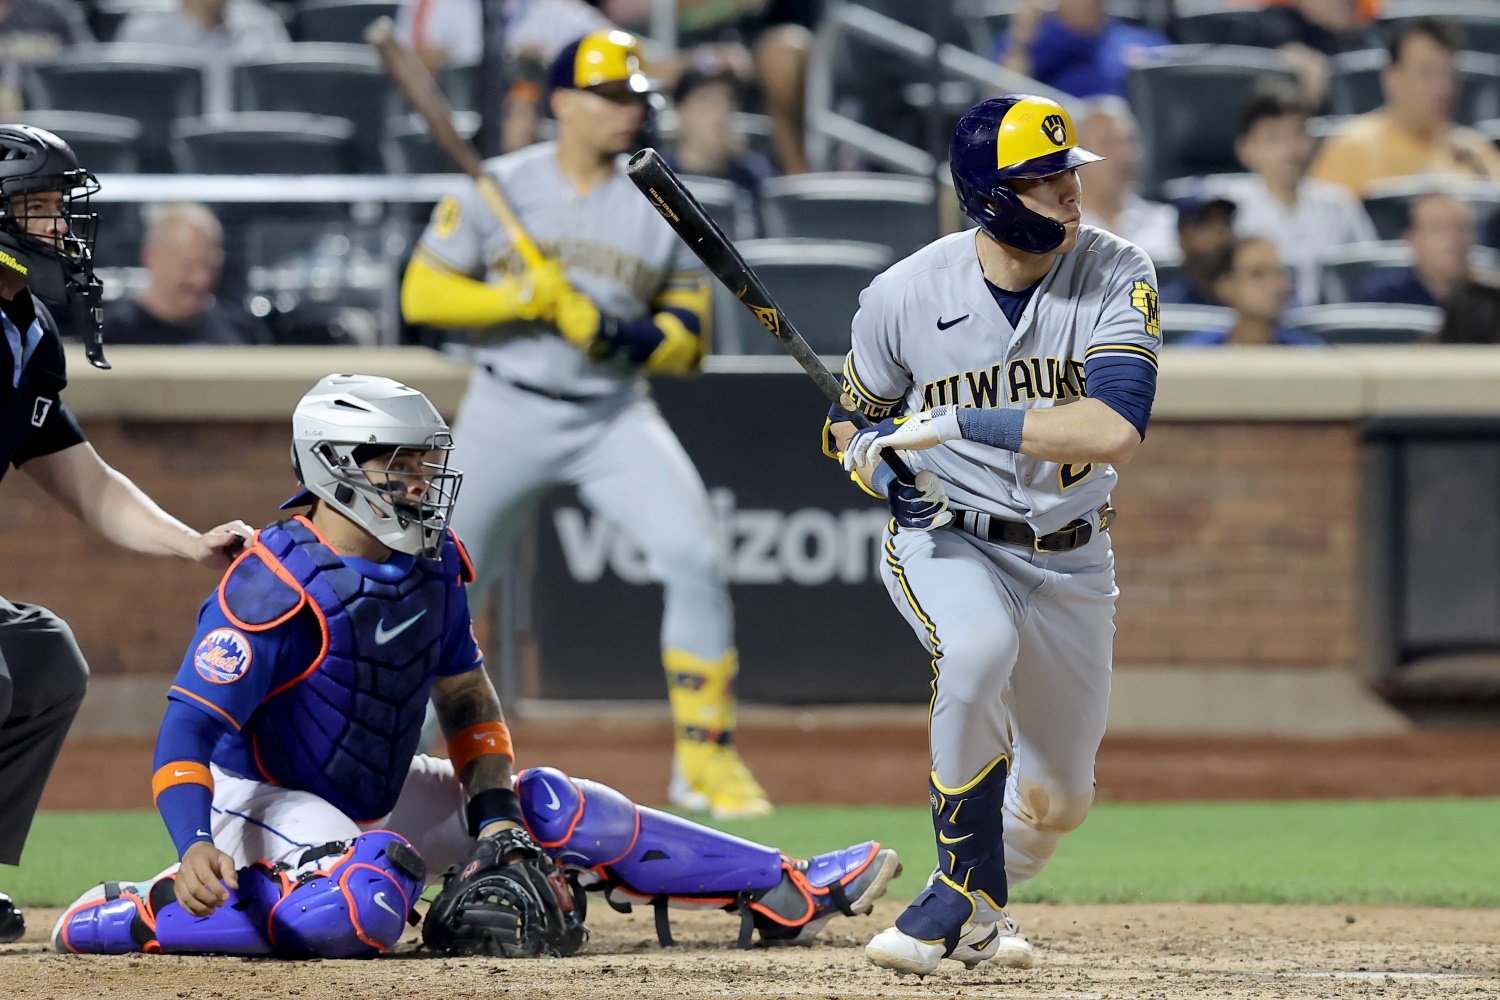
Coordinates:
<point>606,61</point>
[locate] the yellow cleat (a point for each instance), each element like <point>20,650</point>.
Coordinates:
<point>707,777</point>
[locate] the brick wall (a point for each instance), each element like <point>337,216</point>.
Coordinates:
<point>1236,543</point>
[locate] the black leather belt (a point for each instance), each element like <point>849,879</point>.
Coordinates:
<point>560,397</point>
<point>1065,539</point>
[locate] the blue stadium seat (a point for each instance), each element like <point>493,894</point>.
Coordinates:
<point>264,143</point>
<point>344,81</point>
<point>1343,270</point>
<point>105,144</point>
<point>1181,99</point>
<point>895,212</point>
<point>339,20</point>
<point>1386,203</point>
<point>1359,324</point>
<point>154,86</point>
<point>815,282</point>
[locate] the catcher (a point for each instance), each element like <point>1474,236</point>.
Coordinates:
<point>286,768</point>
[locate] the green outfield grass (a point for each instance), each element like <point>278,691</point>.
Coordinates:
<point>1434,852</point>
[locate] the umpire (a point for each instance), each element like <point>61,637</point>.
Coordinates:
<point>46,253</point>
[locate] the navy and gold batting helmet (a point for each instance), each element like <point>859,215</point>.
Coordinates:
<point>1010,138</point>
<point>608,62</point>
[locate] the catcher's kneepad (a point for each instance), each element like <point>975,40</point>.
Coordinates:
<point>518,908</point>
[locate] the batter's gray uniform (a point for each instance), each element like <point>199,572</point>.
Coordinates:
<point>1021,640</point>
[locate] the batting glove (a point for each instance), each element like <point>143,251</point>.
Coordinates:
<point>922,506</point>
<point>578,319</point>
<point>914,432</point>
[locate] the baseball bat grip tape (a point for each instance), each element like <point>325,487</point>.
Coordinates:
<point>671,198</point>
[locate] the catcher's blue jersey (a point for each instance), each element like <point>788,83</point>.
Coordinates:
<point>320,665</point>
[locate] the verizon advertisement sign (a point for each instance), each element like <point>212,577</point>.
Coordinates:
<point>813,622</point>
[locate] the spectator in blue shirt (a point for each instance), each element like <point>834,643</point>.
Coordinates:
<point>1076,47</point>
<point>1440,232</point>
<point>706,143</point>
<point>1255,283</point>
<point>1205,231</point>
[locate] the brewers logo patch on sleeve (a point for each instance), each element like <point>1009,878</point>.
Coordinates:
<point>223,656</point>
<point>1145,300</point>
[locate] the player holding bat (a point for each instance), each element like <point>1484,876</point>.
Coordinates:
<point>574,288</point>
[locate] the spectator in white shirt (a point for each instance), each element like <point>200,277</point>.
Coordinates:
<point>451,32</point>
<point>1303,217</point>
<point>215,30</point>
<point>1111,200</point>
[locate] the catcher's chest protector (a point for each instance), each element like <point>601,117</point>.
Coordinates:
<point>345,728</point>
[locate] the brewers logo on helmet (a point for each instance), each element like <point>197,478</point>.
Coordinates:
<point>607,62</point>
<point>1004,139</point>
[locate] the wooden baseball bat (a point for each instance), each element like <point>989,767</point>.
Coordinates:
<point>665,190</point>
<point>422,92</point>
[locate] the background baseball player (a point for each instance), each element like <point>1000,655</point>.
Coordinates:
<point>285,768</point>
<point>557,395</point>
<point>46,250</point>
<point>1016,366</point>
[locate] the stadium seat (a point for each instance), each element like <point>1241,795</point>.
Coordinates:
<point>106,16</point>
<point>1490,128</point>
<point>895,212</point>
<point>263,143</point>
<point>725,204</point>
<point>1386,203</point>
<point>815,282</point>
<point>1180,97</point>
<point>1343,324</point>
<point>1211,22</point>
<point>1343,270</point>
<point>410,150</point>
<point>323,78</point>
<point>1178,320</point>
<point>1479,22</point>
<point>339,20</point>
<point>460,84</point>
<point>105,144</point>
<point>1354,86</point>
<point>152,85</point>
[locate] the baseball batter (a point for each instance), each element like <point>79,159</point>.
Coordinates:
<point>1015,367</point>
<point>286,773</point>
<point>557,395</point>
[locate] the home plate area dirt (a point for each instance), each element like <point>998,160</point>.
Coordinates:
<point>1113,952</point>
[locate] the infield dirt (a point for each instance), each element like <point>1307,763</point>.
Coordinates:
<point>1164,952</point>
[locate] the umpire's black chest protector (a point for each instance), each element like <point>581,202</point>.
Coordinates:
<point>27,402</point>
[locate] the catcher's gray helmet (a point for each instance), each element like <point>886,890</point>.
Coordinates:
<point>347,420</point>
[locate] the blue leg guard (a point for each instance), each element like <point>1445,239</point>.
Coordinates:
<point>355,907</point>
<point>971,858</point>
<point>120,917</point>
<point>643,855</point>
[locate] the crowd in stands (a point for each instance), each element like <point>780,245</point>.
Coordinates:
<point>1316,147</point>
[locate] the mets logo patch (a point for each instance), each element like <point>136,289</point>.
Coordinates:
<point>1055,129</point>
<point>223,656</point>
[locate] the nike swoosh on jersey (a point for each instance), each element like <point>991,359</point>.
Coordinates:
<point>380,902</point>
<point>945,839</point>
<point>951,322</point>
<point>202,833</point>
<point>552,800</point>
<point>382,636</point>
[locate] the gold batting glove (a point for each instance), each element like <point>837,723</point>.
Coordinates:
<point>577,319</point>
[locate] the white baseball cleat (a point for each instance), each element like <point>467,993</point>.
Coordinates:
<point>1003,945</point>
<point>1000,942</point>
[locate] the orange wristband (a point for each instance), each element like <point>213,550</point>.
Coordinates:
<point>479,740</point>
<point>180,772</point>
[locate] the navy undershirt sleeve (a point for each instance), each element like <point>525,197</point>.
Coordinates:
<point>1125,385</point>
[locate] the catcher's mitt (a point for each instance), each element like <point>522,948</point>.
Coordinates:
<point>515,909</point>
